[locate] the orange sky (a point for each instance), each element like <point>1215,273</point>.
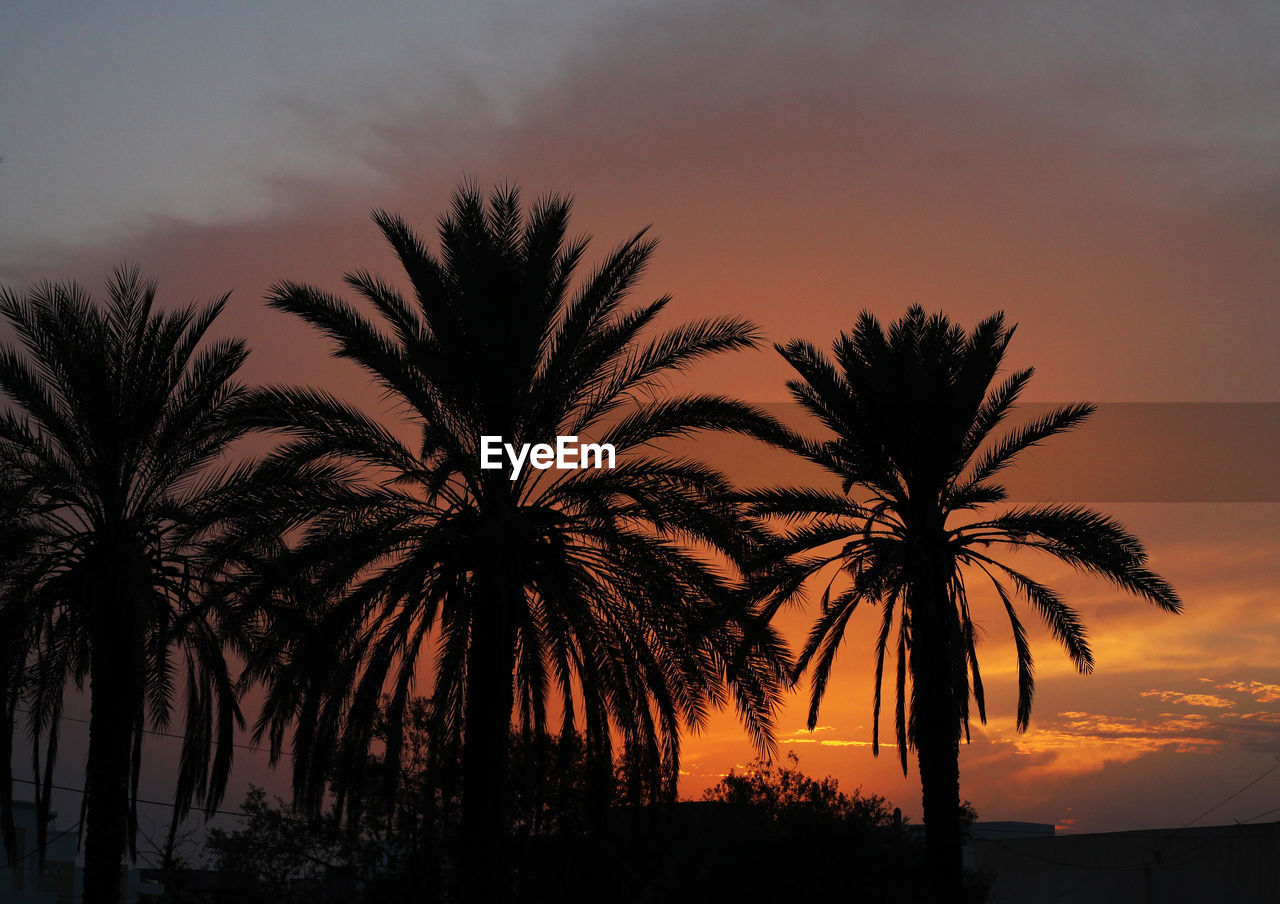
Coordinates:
<point>1108,179</point>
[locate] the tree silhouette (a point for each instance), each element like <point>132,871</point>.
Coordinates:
<point>590,592</point>
<point>914,415</point>
<point>115,411</point>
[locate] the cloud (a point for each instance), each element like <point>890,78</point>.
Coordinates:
<point>1254,716</point>
<point>800,738</point>
<point>1210,700</point>
<point>1260,691</point>
<point>1077,742</point>
<point>835,743</point>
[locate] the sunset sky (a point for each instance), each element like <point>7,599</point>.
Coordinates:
<point>1109,177</point>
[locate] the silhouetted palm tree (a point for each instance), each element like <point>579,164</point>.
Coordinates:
<point>587,591</point>
<point>914,414</point>
<point>115,411</point>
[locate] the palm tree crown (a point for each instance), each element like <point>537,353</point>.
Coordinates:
<point>115,412</point>
<point>584,594</point>
<point>914,416</point>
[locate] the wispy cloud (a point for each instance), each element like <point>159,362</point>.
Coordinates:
<point>1210,700</point>
<point>1254,717</point>
<point>1076,743</point>
<point>1260,691</point>
<point>805,738</point>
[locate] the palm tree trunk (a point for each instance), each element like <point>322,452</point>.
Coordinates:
<point>106,778</point>
<point>490,696</point>
<point>936,714</point>
<point>938,757</point>
<point>115,687</point>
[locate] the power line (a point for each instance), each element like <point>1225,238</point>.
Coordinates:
<point>160,803</point>
<point>1259,816</point>
<point>1181,856</point>
<point>36,850</point>
<point>171,805</point>
<point>154,803</point>
<point>1237,794</point>
<point>168,734</point>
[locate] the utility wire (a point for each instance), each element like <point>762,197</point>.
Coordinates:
<point>169,734</point>
<point>240,814</point>
<point>1259,816</point>
<point>1237,794</point>
<point>154,803</point>
<point>160,803</point>
<point>36,850</point>
<point>1180,857</point>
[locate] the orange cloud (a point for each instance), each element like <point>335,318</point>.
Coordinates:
<point>1089,742</point>
<point>1258,716</point>
<point>1210,700</point>
<point>1263,693</point>
<point>803,736</point>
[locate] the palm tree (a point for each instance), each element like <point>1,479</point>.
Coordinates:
<point>115,412</point>
<point>585,594</point>
<point>914,415</point>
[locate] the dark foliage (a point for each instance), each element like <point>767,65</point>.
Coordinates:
<point>912,415</point>
<point>114,413</point>
<point>573,595</point>
<point>767,832</point>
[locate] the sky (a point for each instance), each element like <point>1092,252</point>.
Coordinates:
<point>1106,174</point>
